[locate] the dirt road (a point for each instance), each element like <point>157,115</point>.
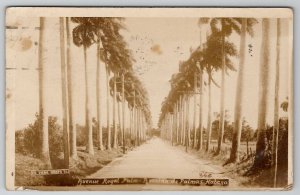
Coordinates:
<point>158,159</point>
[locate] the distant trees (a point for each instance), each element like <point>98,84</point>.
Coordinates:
<point>247,134</point>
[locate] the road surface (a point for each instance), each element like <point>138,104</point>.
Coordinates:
<point>158,159</point>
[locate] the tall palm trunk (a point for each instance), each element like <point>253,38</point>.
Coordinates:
<point>88,117</point>
<point>200,139</point>
<point>130,123</point>
<point>167,127</point>
<point>188,120</point>
<point>276,104</point>
<point>135,125</point>
<point>171,127</point>
<point>115,132</point>
<point>138,126</point>
<point>180,120</point>
<point>195,106</point>
<point>185,130</point>
<point>64,92</point>
<point>163,129</point>
<point>107,110</point>
<point>208,130</point>
<point>188,130</point>
<point>134,119</point>
<point>264,76</point>
<point>239,99</point>
<point>119,122</point>
<point>142,127</point>
<point>183,120</point>
<point>123,113</point>
<point>145,127</point>
<point>98,96</point>
<point>72,124</point>
<point>43,123</point>
<point>222,106</point>
<point>177,122</point>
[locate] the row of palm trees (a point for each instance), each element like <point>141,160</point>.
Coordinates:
<point>124,86</point>
<point>213,55</point>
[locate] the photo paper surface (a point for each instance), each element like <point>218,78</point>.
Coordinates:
<point>149,98</point>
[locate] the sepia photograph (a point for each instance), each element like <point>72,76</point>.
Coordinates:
<point>149,98</point>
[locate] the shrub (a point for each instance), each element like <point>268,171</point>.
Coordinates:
<point>28,140</point>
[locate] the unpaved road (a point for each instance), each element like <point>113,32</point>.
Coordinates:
<point>158,159</point>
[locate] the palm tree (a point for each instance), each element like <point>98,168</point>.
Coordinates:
<point>83,35</point>
<point>239,96</point>
<point>134,117</point>
<point>112,43</point>
<point>129,97</point>
<point>72,125</point>
<point>264,76</point>
<point>43,124</point>
<point>228,25</point>
<point>176,120</point>
<point>212,62</point>
<point>276,105</point>
<point>123,113</point>
<point>108,34</point>
<point>114,112</point>
<point>200,138</point>
<point>208,129</point>
<point>195,106</point>
<point>99,23</point>
<point>137,98</point>
<point>195,67</point>
<point>64,93</point>
<point>188,134</point>
<point>220,28</point>
<point>108,146</point>
<point>181,118</point>
<point>184,119</point>
<point>201,22</point>
<point>119,117</point>
<point>246,26</point>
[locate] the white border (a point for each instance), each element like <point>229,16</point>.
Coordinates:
<point>274,3</point>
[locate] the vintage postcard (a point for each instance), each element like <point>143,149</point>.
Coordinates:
<point>149,98</point>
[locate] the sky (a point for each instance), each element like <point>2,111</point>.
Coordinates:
<point>157,44</point>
